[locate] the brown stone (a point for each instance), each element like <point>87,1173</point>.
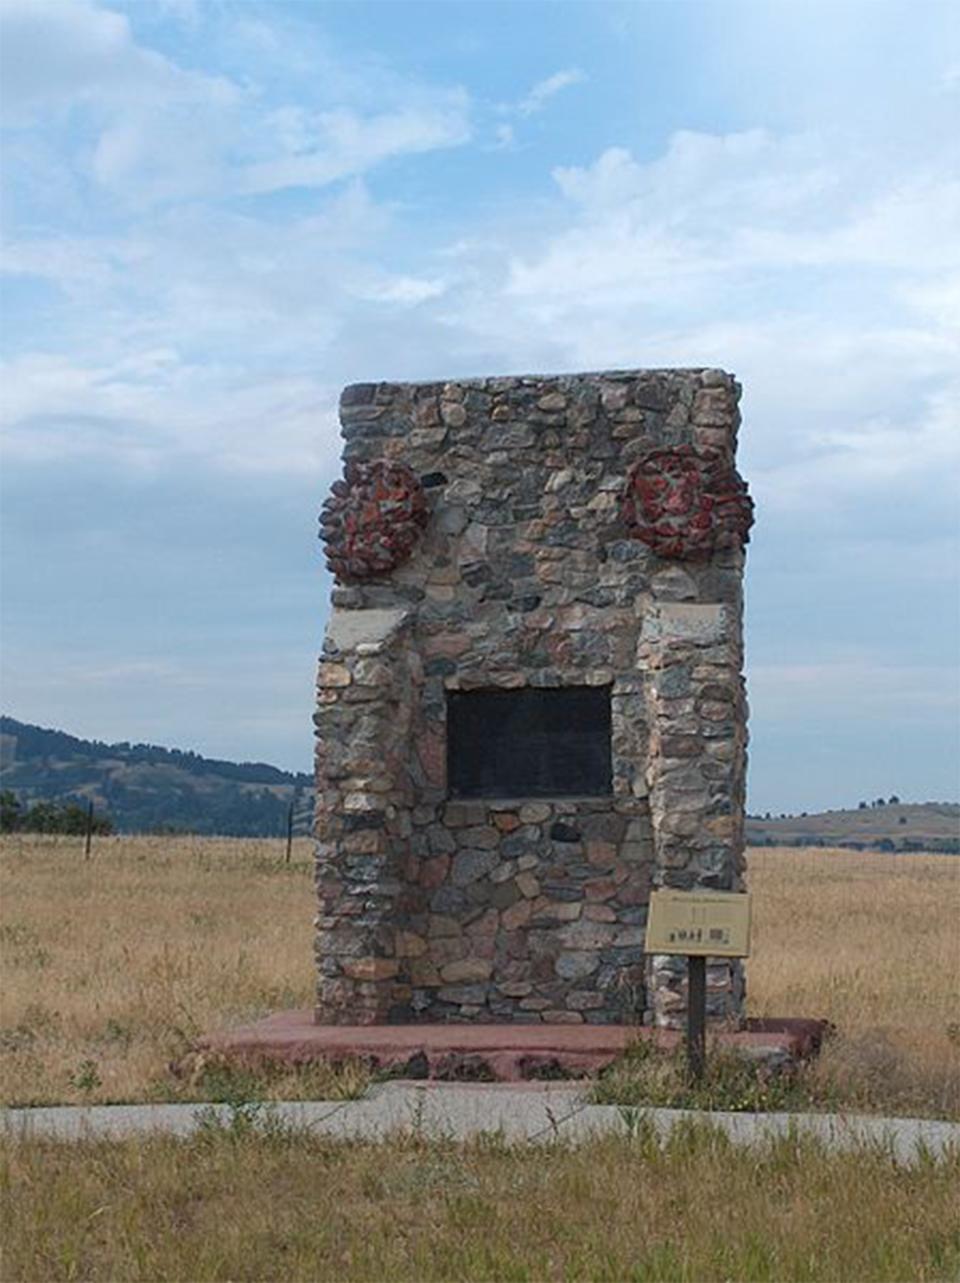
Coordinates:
<point>410,945</point>
<point>585,1000</point>
<point>599,913</point>
<point>518,915</point>
<point>556,910</point>
<point>432,753</point>
<point>635,889</point>
<point>434,871</point>
<point>453,415</point>
<point>602,854</point>
<point>445,949</point>
<point>466,971</point>
<point>333,675</point>
<point>441,925</point>
<point>446,645</point>
<point>515,988</point>
<point>485,925</point>
<point>371,968</point>
<point>506,821</point>
<point>721,826</point>
<point>599,889</point>
<point>527,885</point>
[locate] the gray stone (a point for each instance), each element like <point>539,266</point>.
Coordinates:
<point>576,965</point>
<point>347,629</point>
<point>471,865</point>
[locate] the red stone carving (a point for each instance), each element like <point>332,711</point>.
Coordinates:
<point>687,503</point>
<point>372,519</point>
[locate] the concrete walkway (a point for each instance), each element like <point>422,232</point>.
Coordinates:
<point>532,1112</point>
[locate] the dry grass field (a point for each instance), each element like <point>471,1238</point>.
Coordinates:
<point>871,942</point>
<point>112,966</point>
<point>298,1209</point>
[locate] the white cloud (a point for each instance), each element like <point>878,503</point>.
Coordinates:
<point>505,138</point>
<point>56,52</point>
<point>546,89</point>
<point>160,133</point>
<point>146,412</point>
<point>340,144</point>
<point>401,289</point>
<point>859,687</point>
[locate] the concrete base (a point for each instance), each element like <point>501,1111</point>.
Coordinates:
<point>484,1052</point>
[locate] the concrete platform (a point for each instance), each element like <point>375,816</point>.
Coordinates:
<point>488,1052</point>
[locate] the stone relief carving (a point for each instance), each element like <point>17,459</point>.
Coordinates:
<point>372,520</point>
<point>685,503</point>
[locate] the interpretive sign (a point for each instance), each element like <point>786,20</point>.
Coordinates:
<point>699,923</point>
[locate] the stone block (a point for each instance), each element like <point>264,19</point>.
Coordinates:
<point>371,968</point>
<point>575,965</point>
<point>469,866</point>
<point>460,994</point>
<point>700,625</point>
<point>346,629</point>
<point>466,971</point>
<point>527,885</point>
<point>555,910</point>
<point>517,915</point>
<point>410,945</point>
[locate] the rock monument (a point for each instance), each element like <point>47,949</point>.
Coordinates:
<point>530,707</point>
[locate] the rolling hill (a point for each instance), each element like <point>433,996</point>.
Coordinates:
<point>894,826</point>
<point>145,788</point>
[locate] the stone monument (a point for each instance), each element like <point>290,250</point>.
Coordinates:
<point>530,706</point>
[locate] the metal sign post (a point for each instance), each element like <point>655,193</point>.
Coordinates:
<point>696,1015</point>
<point>698,925</point>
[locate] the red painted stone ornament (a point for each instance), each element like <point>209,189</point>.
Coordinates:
<point>372,519</point>
<point>686,503</point>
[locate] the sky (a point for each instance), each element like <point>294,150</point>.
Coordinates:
<point>217,213</point>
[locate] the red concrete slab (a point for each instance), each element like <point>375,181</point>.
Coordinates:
<point>508,1052</point>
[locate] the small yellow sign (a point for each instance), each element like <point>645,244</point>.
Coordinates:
<point>710,923</point>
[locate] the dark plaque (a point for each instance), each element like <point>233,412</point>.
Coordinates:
<point>529,743</point>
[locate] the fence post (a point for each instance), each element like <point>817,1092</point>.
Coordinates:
<point>89,834</point>
<point>289,832</point>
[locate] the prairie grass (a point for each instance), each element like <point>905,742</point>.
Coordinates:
<point>294,1207</point>
<point>871,942</point>
<point>114,965</point>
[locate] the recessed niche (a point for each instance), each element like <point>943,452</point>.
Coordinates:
<point>532,742</point>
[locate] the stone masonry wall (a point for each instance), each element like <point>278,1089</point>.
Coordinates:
<point>527,569</point>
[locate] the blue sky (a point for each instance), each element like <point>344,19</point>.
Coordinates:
<point>216,214</point>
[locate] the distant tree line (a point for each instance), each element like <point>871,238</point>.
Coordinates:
<point>892,800</point>
<point>48,817</point>
<point>935,846</point>
<point>37,742</point>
